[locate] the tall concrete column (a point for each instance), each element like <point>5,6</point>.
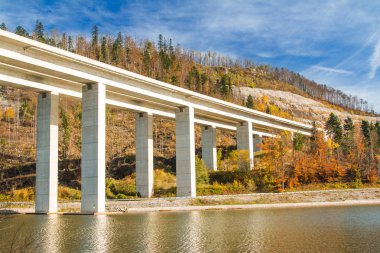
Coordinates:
<point>257,141</point>
<point>93,148</point>
<point>47,153</point>
<point>209,147</point>
<point>144,154</point>
<point>245,139</point>
<point>185,152</point>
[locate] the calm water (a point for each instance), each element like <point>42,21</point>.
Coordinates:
<point>340,229</point>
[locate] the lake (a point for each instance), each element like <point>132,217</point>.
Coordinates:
<point>327,229</point>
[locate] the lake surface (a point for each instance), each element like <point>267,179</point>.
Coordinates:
<point>327,229</point>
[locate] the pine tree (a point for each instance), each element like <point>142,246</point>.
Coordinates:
<point>348,136</point>
<point>70,46</point>
<point>147,57</point>
<point>95,42</point>
<point>314,137</point>
<point>366,131</point>
<point>225,83</point>
<point>95,36</point>
<point>104,51</point>
<point>38,32</point>
<point>249,102</point>
<point>377,129</point>
<point>3,27</point>
<point>117,49</point>
<point>193,79</point>
<point>334,128</point>
<point>21,31</point>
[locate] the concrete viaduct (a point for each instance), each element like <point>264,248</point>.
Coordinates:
<point>51,72</point>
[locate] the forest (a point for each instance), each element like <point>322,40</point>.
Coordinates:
<point>348,158</point>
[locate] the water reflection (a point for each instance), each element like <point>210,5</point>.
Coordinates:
<point>353,229</point>
<point>101,234</point>
<point>50,236</point>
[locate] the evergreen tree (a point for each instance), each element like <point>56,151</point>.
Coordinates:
<point>38,32</point>
<point>334,128</point>
<point>366,131</point>
<point>117,50</point>
<point>377,129</point>
<point>3,27</point>
<point>298,141</point>
<point>104,51</point>
<point>70,44</point>
<point>193,79</point>
<point>147,57</point>
<point>95,36</point>
<point>348,126</point>
<point>160,43</point>
<point>249,102</point>
<point>95,42</point>
<point>225,83</point>
<point>314,137</point>
<point>348,136</point>
<point>21,31</point>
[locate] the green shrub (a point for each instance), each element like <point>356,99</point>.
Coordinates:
<point>67,193</point>
<point>264,181</point>
<point>121,188</point>
<point>353,177</point>
<point>201,171</point>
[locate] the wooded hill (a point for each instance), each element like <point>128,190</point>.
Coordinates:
<point>207,73</point>
<point>204,72</point>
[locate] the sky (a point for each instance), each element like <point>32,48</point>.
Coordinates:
<point>333,42</point>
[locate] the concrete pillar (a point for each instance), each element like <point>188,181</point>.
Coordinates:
<point>209,151</point>
<point>257,141</point>
<point>185,152</point>
<point>93,148</point>
<point>245,139</point>
<point>47,153</point>
<point>144,154</point>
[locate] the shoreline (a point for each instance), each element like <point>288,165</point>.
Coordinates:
<point>259,206</point>
<point>300,199</point>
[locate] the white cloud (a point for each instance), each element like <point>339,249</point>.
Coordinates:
<point>375,60</point>
<point>331,70</point>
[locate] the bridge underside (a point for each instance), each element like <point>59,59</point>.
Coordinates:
<point>52,72</point>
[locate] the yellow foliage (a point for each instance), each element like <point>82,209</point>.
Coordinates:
<point>332,145</point>
<point>260,107</point>
<point>9,114</point>
<point>264,99</point>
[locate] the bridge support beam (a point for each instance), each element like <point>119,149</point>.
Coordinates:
<point>144,154</point>
<point>185,152</point>
<point>47,153</point>
<point>209,152</point>
<point>257,141</point>
<point>245,140</point>
<point>93,148</point>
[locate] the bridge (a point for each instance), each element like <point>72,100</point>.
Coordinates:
<point>53,72</point>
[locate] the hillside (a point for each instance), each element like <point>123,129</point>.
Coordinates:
<point>279,92</point>
<point>303,108</point>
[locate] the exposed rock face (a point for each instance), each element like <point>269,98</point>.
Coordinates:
<point>305,109</point>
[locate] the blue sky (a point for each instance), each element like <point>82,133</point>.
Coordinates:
<point>332,42</point>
